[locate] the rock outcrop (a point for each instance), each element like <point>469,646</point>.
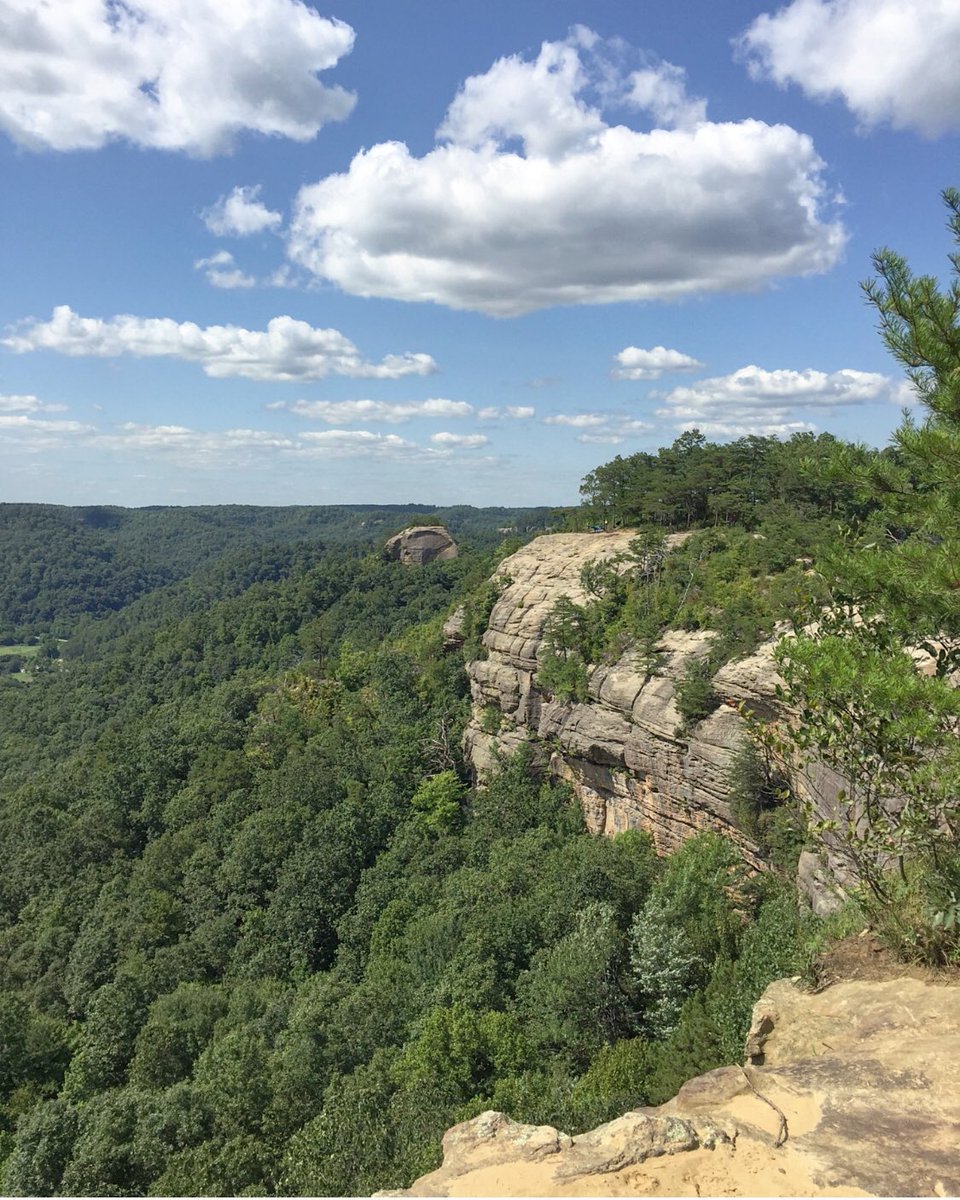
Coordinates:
<point>453,637</point>
<point>624,751</point>
<point>857,1092</point>
<point>421,544</point>
<point>621,750</point>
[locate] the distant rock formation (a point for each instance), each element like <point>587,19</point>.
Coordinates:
<point>621,750</point>
<point>421,544</point>
<point>858,1094</point>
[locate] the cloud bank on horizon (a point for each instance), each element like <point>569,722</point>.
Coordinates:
<point>582,172</point>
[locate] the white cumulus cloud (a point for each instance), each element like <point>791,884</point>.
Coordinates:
<point>459,441</point>
<point>362,412</point>
<point>167,74</point>
<point>27,404</point>
<point>755,400</point>
<point>287,350</point>
<point>576,420</point>
<point>531,198</point>
<point>662,92</point>
<point>635,363</point>
<point>222,271</point>
<point>362,443</point>
<point>890,61</point>
<point>511,412</point>
<point>240,213</point>
<point>194,444</point>
<point>22,421</point>
<point>220,449</point>
<point>538,102</point>
<point>601,428</point>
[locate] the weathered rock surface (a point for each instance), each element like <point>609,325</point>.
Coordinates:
<point>453,629</point>
<point>624,751</point>
<point>621,751</point>
<point>421,544</point>
<point>858,1094</point>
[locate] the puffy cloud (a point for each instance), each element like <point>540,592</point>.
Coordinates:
<point>167,74</point>
<point>361,412</point>
<point>888,60</point>
<point>13,423</point>
<point>615,430</point>
<point>577,420</point>
<point>361,443</point>
<point>512,412</point>
<point>282,277</point>
<point>222,271</point>
<point>531,199</point>
<point>662,92</point>
<point>539,103</point>
<point>461,441</point>
<point>240,213</point>
<point>754,400</point>
<point>651,364</point>
<point>287,350</point>
<point>21,426</point>
<point>195,445</point>
<point>27,404</point>
<point>601,428</point>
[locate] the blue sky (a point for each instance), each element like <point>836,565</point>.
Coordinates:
<point>260,251</point>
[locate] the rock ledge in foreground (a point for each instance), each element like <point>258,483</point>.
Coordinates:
<point>858,1094</point>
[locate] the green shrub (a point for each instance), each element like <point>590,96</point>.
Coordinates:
<point>438,801</point>
<point>763,807</point>
<point>615,1082</point>
<point>694,695</point>
<point>491,719</point>
<point>564,677</point>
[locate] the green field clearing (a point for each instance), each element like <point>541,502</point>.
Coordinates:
<point>23,650</point>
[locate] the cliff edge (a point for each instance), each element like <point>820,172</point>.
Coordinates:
<point>853,1091</point>
<point>623,751</point>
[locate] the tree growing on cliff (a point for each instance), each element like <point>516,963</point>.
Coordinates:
<point>894,583</point>
<point>563,660</point>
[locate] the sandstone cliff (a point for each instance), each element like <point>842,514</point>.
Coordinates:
<point>621,750</point>
<point>850,1092</point>
<point>421,544</point>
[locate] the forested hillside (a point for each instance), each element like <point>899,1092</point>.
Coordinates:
<point>259,934</point>
<point>61,564</point>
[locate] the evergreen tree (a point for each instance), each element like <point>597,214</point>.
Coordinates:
<point>865,710</point>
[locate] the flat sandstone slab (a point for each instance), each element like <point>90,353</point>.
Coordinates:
<point>859,1085</point>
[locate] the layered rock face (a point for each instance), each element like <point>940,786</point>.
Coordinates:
<point>421,544</point>
<point>623,751</point>
<point>851,1092</point>
<point>620,751</point>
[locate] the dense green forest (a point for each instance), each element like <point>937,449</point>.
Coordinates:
<point>259,932</point>
<point>61,564</point>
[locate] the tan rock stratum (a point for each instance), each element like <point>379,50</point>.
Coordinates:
<point>623,750</point>
<point>857,1093</point>
<point>421,544</point>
